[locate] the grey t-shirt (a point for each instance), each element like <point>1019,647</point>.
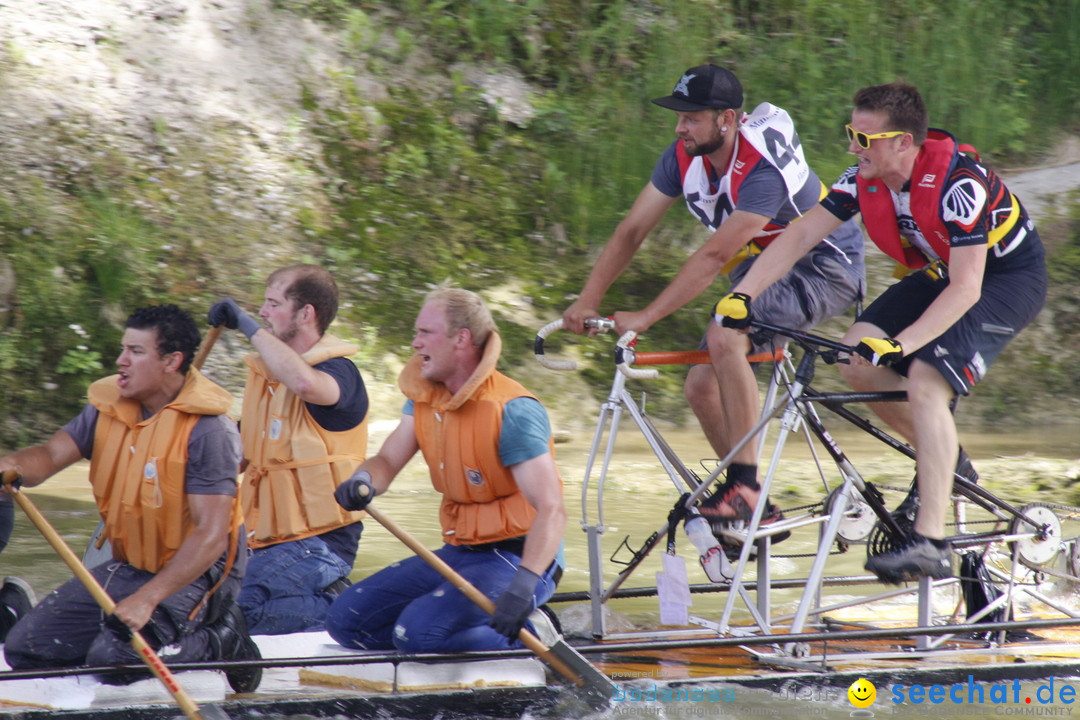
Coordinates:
<point>763,192</point>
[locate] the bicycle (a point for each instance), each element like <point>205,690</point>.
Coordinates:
<point>1001,563</point>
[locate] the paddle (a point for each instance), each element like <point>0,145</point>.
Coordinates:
<point>560,656</point>
<point>10,479</point>
<point>207,345</point>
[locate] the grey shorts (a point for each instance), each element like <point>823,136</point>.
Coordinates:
<point>818,287</point>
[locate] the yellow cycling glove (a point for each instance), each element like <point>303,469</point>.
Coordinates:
<point>733,311</point>
<point>882,352</point>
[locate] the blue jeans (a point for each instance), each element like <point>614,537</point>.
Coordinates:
<point>283,590</point>
<point>410,607</point>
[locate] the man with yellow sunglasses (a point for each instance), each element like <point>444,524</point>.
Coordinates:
<point>976,276</point>
<point>863,139</point>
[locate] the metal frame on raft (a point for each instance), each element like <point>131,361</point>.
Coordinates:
<point>852,507</point>
<point>553,701</point>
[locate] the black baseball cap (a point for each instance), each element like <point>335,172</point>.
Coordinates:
<point>705,87</point>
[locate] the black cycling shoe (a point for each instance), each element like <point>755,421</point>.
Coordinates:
<point>965,469</point>
<point>918,557</point>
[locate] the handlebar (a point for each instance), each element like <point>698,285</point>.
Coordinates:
<point>624,355</point>
<point>624,358</point>
<point>808,341</point>
<point>600,324</point>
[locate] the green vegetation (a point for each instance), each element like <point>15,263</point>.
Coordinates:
<point>428,181</point>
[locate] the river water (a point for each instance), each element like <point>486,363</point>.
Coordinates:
<point>637,498</point>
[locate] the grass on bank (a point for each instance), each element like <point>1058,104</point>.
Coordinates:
<point>427,181</point>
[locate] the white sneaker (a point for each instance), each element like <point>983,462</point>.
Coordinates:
<point>545,625</point>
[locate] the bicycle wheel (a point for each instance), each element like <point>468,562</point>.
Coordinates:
<point>1044,542</point>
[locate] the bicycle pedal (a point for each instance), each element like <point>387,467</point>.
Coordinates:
<point>734,535</point>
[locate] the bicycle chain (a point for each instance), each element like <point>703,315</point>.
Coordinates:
<point>800,508</point>
<point>1074,513</point>
<point>1072,510</point>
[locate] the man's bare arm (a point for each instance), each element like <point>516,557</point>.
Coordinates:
<point>798,239</point>
<point>538,480</point>
<point>698,272</point>
<point>307,383</point>
<point>648,208</point>
<point>396,451</point>
<point>211,515</point>
<point>39,462</point>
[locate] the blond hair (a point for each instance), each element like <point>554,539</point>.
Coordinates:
<point>464,309</point>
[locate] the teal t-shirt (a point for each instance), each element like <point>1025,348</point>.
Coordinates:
<point>525,430</point>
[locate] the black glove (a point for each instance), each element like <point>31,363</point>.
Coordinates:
<point>512,608</point>
<point>882,352</point>
<point>226,312</point>
<point>733,311</point>
<point>356,492</point>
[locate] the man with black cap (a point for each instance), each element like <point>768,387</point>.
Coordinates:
<point>745,178</point>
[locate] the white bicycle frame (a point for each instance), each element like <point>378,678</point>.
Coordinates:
<point>793,413</point>
<point>684,480</point>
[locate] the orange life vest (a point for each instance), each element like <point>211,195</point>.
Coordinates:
<point>294,464</point>
<point>138,468</point>
<point>459,437</point>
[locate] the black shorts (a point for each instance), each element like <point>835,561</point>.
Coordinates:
<point>962,353</point>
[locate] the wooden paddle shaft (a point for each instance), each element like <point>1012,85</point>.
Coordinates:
<point>207,345</point>
<point>469,590</point>
<point>102,597</point>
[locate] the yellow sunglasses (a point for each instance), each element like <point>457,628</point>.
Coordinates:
<point>863,139</point>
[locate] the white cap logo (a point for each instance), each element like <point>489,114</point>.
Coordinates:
<point>681,87</point>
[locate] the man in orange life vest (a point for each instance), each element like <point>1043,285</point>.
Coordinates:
<point>304,431</point>
<point>976,275</point>
<point>744,176</point>
<point>163,462</point>
<point>487,444</point>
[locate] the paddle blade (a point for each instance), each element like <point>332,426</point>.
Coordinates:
<point>597,689</point>
<point>213,712</point>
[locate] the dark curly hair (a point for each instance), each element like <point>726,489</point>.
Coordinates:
<point>176,330</point>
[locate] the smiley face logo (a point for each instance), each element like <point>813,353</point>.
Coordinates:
<point>862,693</point>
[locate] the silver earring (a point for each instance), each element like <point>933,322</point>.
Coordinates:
<point>723,128</point>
